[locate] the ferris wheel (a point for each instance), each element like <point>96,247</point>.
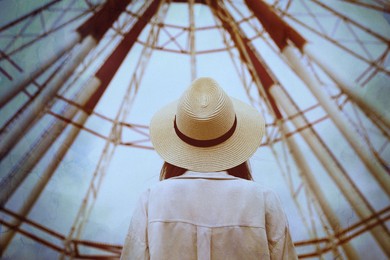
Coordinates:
<point>80,80</point>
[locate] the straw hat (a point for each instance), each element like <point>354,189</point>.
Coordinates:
<point>205,130</point>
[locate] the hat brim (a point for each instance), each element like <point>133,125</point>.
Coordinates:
<point>232,152</point>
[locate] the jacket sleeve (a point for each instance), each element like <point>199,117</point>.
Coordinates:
<point>136,243</point>
<point>279,240</point>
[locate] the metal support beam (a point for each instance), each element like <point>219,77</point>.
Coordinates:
<point>112,64</point>
<point>96,26</point>
<point>16,130</point>
<point>354,92</point>
<point>191,36</point>
<point>58,127</point>
<point>307,175</point>
<point>91,32</point>
<point>281,33</point>
<point>351,193</point>
<point>259,74</point>
<point>372,164</point>
<point>17,174</point>
<point>89,99</point>
<point>268,83</point>
<point>25,78</point>
<point>278,29</point>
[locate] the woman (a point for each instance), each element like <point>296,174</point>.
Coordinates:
<point>207,206</point>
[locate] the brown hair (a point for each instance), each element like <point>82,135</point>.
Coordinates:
<point>241,171</point>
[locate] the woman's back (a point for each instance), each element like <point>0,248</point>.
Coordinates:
<point>212,216</point>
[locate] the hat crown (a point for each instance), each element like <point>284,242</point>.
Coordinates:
<point>204,111</point>
<point>206,130</point>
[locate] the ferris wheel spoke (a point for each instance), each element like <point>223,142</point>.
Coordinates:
<point>377,5</point>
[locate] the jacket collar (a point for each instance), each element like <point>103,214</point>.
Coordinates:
<point>206,175</point>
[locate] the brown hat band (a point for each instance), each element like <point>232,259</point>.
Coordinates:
<point>205,143</point>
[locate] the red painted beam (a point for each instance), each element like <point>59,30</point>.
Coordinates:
<point>265,78</point>
<point>99,23</point>
<point>278,29</point>
<point>114,61</point>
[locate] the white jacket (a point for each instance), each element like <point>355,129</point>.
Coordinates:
<point>208,216</point>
